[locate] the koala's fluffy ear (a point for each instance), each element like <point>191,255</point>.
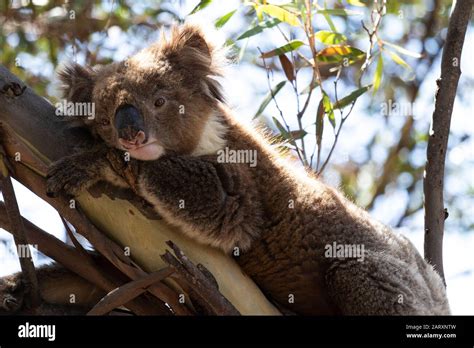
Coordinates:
<point>191,36</point>
<point>189,47</point>
<point>77,82</point>
<point>189,50</point>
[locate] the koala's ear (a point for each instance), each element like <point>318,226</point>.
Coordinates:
<point>77,82</point>
<point>188,48</point>
<point>191,36</point>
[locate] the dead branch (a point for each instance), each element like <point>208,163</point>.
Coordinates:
<point>439,133</point>
<point>128,292</point>
<point>111,251</point>
<point>23,249</point>
<point>96,270</point>
<point>204,287</point>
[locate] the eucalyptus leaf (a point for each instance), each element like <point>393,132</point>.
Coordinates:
<point>268,98</point>
<point>290,46</point>
<point>257,29</point>
<point>280,13</point>
<point>221,21</point>
<point>351,97</point>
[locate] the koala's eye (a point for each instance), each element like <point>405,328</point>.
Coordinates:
<point>160,102</point>
<point>105,122</point>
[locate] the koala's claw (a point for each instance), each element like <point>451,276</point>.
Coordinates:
<point>66,176</point>
<point>10,303</point>
<point>11,295</point>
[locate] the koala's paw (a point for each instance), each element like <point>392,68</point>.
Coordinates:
<point>11,296</point>
<point>68,176</point>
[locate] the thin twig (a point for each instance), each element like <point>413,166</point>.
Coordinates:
<point>376,21</point>
<point>405,136</point>
<point>291,140</point>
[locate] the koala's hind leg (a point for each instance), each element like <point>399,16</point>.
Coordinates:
<point>381,285</point>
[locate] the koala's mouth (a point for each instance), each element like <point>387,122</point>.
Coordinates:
<point>148,151</point>
<point>129,141</point>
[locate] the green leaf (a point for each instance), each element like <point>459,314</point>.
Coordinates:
<point>278,12</point>
<point>268,98</point>
<point>259,28</point>
<point>403,50</point>
<point>356,3</point>
<point>399,60</point>
<point>339,12</point>
<point>378,74</point>
<point>351,97</point>
<point>202,4</point>
<point>283,131</point>
<point>220,22</point>
<point>320,123</point>
<point>242,50</point>
<point>330,22</point>
<point>329,38</point>
<point>329,109</point>
<point>290,46</point>
<point>297,134</point>
<point>337,53</point>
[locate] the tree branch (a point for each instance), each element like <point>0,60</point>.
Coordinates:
<point>98,272</point>
<point>128,292</point>
<point>439,133</point>
<point>22,247</point>
<point>203,285</point>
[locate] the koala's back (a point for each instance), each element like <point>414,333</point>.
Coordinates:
<point>304,218</point>
<point>390,278</point>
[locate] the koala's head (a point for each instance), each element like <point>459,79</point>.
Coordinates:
<point>161,100</point>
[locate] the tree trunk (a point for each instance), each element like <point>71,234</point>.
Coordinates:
<point>33,137</point>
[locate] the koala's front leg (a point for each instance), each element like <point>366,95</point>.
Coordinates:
<point>216,204</point>
<point>77,172</point>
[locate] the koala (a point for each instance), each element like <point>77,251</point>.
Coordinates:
<point>165,109</point>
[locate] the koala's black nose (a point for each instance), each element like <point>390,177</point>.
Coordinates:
<point>129,123</point>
